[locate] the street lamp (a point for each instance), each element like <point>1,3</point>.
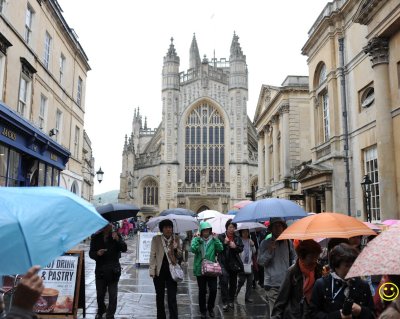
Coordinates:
<point>294,183</point>
<point>366,187</point>
<point>100,174</point>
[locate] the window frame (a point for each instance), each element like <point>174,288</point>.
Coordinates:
<point>62,68</point>
<point>2,74</point>
<point>76,141</point>
<point>47,49</point>
<point>326,122</point>
<point>43,112</point>
<point>58,124</point>
<point>28,24</point>
<point>79,91</point>
<point>371,161</point>
<point>25,103</point>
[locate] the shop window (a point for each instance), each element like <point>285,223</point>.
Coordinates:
<point>49,175</point>
<point>56,176</point>
<point>42,174</point>
<point>13,166</point>
<point>3,165</point>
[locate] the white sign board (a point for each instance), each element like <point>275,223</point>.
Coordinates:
<point>144,247</point>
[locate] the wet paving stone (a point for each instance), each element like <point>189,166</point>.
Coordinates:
<point>137,298</point>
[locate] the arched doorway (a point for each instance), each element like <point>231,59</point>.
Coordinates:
<point>202,209</point>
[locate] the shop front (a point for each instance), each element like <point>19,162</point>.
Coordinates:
<point>28,157</point>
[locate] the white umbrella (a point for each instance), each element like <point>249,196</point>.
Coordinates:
<point>252,226</point>
<point>207,214</point>
<point>218,223</point>
<point>181,223</point>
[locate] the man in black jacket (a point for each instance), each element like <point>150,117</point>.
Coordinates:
<point>105,248</point>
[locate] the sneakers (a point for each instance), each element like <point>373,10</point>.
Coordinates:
<point>249,300</point>
<point>225,308</point>
<point>231,305</point>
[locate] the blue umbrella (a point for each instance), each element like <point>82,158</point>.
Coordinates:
<point>178,211</point>
<point>38,224</point>
<point>232,212</point>
<point>264,209</point>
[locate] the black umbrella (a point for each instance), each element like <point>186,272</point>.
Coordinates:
<point>178,211</point>
<point>115,212</point>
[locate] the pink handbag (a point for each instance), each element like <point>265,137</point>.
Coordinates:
<point>210,268</point>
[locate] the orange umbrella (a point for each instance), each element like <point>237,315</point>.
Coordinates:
<point>326,225</point>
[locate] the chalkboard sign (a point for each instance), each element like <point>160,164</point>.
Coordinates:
<point>64,284</point>
<point>144,247</point>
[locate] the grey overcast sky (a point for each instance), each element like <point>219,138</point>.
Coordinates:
<point>126,41</point>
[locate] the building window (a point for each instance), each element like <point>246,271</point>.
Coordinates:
<point>2,5</point>
<point>24,91</point>
<point>371,168</point>
<point>76,141</point>
<point>62,68</point>
<point>204,145</point>
<point>367,97</point>
<point>3,165</point>
<point>58,125</point>
<point>47,46</point>
<point>75,188</point>
<point>42,112</point>
<point>2,74</point>
<point>79,93</point>
<point>28,24</point>
<point>150,193</point>
<point>325,116</point>
<point>322,74</point>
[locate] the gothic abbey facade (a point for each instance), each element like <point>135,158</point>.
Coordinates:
<point>203,155</point>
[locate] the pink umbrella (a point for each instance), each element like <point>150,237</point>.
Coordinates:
<point>242,203</point>
<point>391,222</point>
<point>372,226</point>
<point>380,256</point>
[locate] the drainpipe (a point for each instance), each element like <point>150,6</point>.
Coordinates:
<point>345,123</point>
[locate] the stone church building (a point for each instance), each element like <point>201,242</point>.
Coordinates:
<point>203,155</point>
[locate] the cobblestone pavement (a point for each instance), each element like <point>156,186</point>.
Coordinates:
<point>137,299</point>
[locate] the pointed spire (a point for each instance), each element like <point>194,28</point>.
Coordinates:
<point>171,51</point>
<point>236,50</point>
<point>138,111</point>
<point>126,139</point>
<point>194,55</point>
<point>145,122</point>
<point>134,116</point>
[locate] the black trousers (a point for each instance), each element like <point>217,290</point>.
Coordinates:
<point>203,281</point>
<point>160,282</point>
<point>102,285</point>
<point>228,286</point>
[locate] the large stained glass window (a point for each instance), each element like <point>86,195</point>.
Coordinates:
<point>204,145</point>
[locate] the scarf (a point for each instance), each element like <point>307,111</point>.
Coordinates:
<point>230,237</point>
<point>309,279</point>
<point>169,243</point>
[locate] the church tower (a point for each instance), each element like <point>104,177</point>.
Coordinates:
<point>126,193</point>
<point>238,96</point>
<point>169,136</point>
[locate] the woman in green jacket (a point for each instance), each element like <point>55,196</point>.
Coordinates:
<point>205,246</point>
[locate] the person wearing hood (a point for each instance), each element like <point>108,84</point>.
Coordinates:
<point>276,256</point>
<point>205,246</point>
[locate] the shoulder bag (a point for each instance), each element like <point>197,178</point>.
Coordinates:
<point>175,270</point>
<point>208,267</point>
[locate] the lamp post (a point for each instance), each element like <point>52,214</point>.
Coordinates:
<point>294,184</point>
<point>366,187</point>
<point>100,174</point>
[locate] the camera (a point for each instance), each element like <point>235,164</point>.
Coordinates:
<point>347,306</point>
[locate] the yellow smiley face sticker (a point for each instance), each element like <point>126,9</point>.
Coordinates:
<point>389,291</point>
